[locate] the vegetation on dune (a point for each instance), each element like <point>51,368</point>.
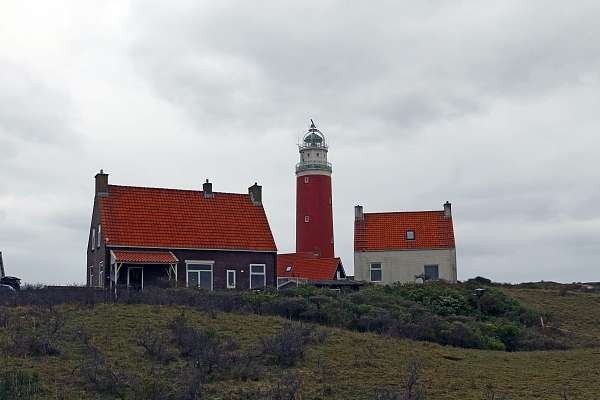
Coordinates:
<point>187,344</point>
<point>436,312</point>
<point>140,351</point>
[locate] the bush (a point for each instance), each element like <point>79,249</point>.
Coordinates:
<point>15,385</point>
<point>209,352</point>
<point>288,346</point>
<point>155,345</point>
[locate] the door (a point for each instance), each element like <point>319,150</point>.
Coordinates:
<point>200,275</point>
<point>135,278</point>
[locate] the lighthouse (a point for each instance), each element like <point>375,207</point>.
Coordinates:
<point>314,215</point>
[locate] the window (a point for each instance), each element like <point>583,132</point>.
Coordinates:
<point>91,282</point>
<point>306,218</point>
<point>200,274</point>
<point>410,235</point>
<point>306,179</point>
<point>376,272</point>
<point>101,273</point>
<point>93,238</point>
<point>99,235</point>
<point>432,272</point>
<point>231,279</point>
<point>258,278</point>
<point>288,268</point>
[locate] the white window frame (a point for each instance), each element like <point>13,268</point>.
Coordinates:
<point>376,269</point>
<point>91,275</point>
<point>101,274</point>
<point>306,218</point>
<point>129,270</point>
<point>99,235</point>
<point>200,262</point>
<point>234,278</point>
<point>264,274</point>
<point>93,239</point>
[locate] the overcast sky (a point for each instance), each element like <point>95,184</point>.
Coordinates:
<point>494,106</point>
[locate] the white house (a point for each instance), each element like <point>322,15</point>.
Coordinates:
<point>403,246</point>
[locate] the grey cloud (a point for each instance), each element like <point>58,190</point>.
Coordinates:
<point>30,109</point>
<point>490,106</point>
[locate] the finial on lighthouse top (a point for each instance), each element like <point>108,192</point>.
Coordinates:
<point>314,137</point>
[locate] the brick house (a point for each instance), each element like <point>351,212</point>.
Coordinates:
<point>401,246</point>
<point>307,267</point>
<point>207,239</point>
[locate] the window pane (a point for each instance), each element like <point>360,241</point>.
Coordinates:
<point>192,279</point>
<point>199,267</point>
<point>432,272</point>
<point>258,269</point>
<point>376,275</point>
<point>257,281</point>
<point>376,266</point>
<point>205,280</point>
<point>410,235</point>
<point>231,278</point>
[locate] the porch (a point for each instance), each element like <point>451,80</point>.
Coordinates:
<point>135,269</point>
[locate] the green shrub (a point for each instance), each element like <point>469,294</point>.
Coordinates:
<point>16,385</point>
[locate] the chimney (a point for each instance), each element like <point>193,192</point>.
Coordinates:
<point>255,192</point>
<point>101,183</point>
<point>358,213</point>
<point>207,189</point>
<point>447,210</point>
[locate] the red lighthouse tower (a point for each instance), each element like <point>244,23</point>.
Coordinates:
<point>314,216</point>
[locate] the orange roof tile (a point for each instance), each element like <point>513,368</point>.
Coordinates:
<point>387,231</point>
<point>307,266</point>
<point>145,257</point>
<point>173,218</point>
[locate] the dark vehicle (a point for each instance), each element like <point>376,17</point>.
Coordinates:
<point>6,289</point>
<point>14,283</point>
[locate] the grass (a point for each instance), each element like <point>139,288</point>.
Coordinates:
<point>577,312</point>
<point>349,365</point>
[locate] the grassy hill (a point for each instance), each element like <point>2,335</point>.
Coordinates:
<point>346,365</point>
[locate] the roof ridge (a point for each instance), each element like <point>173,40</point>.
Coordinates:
<point>174,189</point>
<point>404,212</point>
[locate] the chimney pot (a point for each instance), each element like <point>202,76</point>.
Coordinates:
<point>447,209</point>
<point>358,213</point>
<point>101,183</point>
<point>255,192</point>
<point>207,189</point>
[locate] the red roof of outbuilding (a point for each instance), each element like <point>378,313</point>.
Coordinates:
<point>387,231</point>
<point>307,266</point>
<point>145,257</point>
<point>173,218</point>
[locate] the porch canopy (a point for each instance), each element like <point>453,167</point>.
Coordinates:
<point>120,257</point>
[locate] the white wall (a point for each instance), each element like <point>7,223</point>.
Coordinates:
<point>403,265</point>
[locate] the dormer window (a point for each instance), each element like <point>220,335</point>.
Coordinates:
<point>410,235</point>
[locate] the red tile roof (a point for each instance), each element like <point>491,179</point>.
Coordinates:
<point>172,218</point>
<point>145,257</point>
<point>387,231</point>
<point>307,266</point>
